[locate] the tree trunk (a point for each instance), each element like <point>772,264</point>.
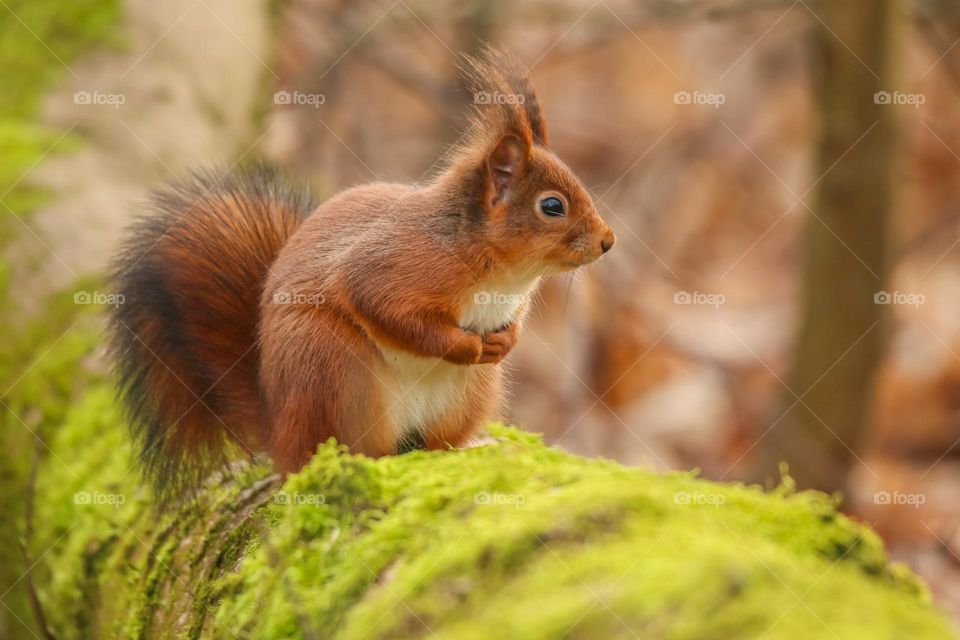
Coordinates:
<point>841,337</point>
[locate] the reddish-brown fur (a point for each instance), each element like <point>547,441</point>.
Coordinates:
<point>372,325</point>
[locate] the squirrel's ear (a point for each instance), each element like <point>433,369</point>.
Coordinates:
<point>505,163</point>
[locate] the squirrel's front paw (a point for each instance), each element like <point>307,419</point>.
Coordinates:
<point>497,345</point>
<point>466,350</point>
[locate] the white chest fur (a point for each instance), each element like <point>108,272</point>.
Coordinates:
<point>418,391</point>
<point>495,304</point>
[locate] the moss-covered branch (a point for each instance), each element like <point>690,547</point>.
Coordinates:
<point>508,540</point>
<point>511,540</point>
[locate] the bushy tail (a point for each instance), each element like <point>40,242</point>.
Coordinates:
<point>184,338</point>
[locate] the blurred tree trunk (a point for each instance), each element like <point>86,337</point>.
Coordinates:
<point>846,247</point>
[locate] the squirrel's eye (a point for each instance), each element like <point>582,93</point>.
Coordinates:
<point>552,207</point>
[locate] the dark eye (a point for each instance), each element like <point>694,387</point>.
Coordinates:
<point>552,207</point>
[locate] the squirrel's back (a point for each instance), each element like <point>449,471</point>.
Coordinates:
<point>185,339</point>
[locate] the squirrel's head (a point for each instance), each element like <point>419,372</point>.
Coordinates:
<point>536,207</point>
<point>529,202</point>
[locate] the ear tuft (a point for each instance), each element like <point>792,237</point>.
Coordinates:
<point>504,98</point>
<point>505,164</point>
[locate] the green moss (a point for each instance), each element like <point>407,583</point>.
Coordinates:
<point>460,544</point>
<point>520,537</point>
<point>44,368</point>
<point>470,543</point>
<point>38,41</point>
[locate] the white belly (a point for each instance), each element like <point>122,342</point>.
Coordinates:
<point>418,391</point>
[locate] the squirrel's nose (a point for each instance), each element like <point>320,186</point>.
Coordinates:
<point>609,239</point>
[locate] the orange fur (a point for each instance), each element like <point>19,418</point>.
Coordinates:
<point>387,311</point>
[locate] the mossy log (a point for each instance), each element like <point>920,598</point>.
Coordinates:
<point>513,539</point>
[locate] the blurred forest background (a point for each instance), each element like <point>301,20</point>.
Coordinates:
<point>783,177</point>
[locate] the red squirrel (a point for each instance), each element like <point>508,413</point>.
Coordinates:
<point>253,317</point>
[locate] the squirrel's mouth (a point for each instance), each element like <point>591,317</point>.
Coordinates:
<point>586,257</point>
<point>574,256</point>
